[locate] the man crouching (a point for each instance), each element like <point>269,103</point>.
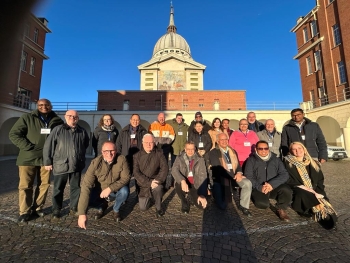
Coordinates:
<point>108,175</point>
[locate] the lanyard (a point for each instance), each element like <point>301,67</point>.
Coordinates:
<point>109,136</point>
<point>46,122</point>
<point>245,135</point>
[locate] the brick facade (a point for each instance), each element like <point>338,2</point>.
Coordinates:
<point>135,100</point>
<point>321,84</point>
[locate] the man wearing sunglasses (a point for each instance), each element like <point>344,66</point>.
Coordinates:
<point>268,176</point>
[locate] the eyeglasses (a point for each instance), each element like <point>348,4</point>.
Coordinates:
<point>109,151</point>
<point>263,149</point>
<point>72,116</point>
<point>42,105</point>
<point>243,125</point>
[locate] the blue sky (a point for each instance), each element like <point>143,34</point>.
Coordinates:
<point>97,45</point>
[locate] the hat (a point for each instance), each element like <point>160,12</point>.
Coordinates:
<point>198,113</point>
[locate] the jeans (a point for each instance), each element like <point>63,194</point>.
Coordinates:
<point>120,197</point>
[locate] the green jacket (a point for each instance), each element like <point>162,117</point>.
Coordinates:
<point>26,135</point>
<point>114,175</point>
<point>179,143</point>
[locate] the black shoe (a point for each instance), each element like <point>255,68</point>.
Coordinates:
<point>185,208</point>
<point>39,213</point>
<point>56,214</point>
<point>160,213</point>
<point>23,218</point>
<point>116,217</point>
<point>98,214</point>
<point>245,211</point>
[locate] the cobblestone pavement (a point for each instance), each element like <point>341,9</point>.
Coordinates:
<point>201,236</point>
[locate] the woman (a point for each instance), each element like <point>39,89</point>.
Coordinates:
<point>201,139</point>
<point>105,131</point>
<point>243,141</point>
<point>306,180</point>
<point>216,128</point>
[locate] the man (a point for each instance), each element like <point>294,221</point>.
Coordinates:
<point>180,129</point>
<point>226,125</point>
<point>29,134</point>
<point>163,134</point>
<point>109,175</point>
<point>268,176</point>
<point>129,141</point>
<point>272,137</point>
<point>225,168</point>
<point>198,117</point>
<point>301,129</point>
<point>253,124</point>
<point>150,171</point>
<point>190,174</point>
<point>64,154</point>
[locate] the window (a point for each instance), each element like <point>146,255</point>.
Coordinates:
<point>313,26</point>
<point>336,35</point>
<point>194,79</point>
<point>149,74</point>
<point>341,72</point>
<point>194,74</point>
<point>312,95</point>
<point>185,103</point>
<point>24,61</point>
<point>322,95</point>
<point>308,65</point>
<point>318,64</point>
<point>149,79</point>
<point>32,66</point>
<point>194,84</point>
<point>36,34</point>
<point>306,36</point>
<point>142,103</point>
<point>22,98</point>
<point>27,29</point>
<point>149,84</point>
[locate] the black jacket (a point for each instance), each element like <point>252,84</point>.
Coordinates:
<point>100,136</point>
<point>256,126</point>
<point>204,137</point>
<point>206,127</point>
<point>65,149</point>
<point>314,142</point>
<point>271,171</point>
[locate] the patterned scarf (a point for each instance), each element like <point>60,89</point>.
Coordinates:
<point>107,128</point>
<point>233,158</point>
<point>324,208</point>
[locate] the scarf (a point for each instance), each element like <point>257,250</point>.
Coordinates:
<point>107,128</point>
<point>266,158</point>
<point>233,159</point>
<point>324,208</point>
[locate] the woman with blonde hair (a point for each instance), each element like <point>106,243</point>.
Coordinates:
<point>307,182</point>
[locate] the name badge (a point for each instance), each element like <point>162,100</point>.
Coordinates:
<point>229,166</point>
<point>303,137</point>
<point>270,144</point>
<point>165,134</point>
<point>179,133</point>
<point>133,136</point>
<point>246,143</point>
<point>45,131</point>
<point>190,174</point>
<point>201,145</point>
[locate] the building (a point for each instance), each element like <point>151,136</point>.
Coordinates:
<point>171,80</point>
<point>23,78</point>
<point>323,42</point>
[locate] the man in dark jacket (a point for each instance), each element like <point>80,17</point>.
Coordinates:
<point>198,117</point>
<point>150,171</point>
<point>301,129</point>
<point>109,175</point>
<point>64,154</point>
<point>190,174</point>
<point>268,176</point>
<point>253,124</point>
<point>29,134</point>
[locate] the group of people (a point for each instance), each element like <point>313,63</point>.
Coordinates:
<point>256,160</point>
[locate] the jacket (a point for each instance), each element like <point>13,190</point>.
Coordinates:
<point>259,171</point>
<point>180,172</point>
<point>100,136</point>
<point>114,175</point>
<point>275,140</point>
<point>164,135</point>
<point>179,143</point>
<point>123,141</point>
<point>26,135</point>
<point>314,142</point>
<point>65,149</point>
<point>237,141</point>
<point>256,126</point>
<point>204,137</point>
<point>206,127</point>
<point>149,166</point>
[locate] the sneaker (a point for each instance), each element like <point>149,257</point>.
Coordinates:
<point>283,215</point>
<point>245,211</point>
<point>23,218</point>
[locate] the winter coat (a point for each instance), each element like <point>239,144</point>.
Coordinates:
<point>180,172</point>
<point>237,141</point>
<point>315,142</point>
<point>180,140</point>
<point>275,141</point>
<point>259,171</point>
<point>149,166</point>
<point>65,149</point>
<point>204,137</point>
<point>100,136</point>
<point>114,175</point>
<point>256,126</point>
<point>164,136</point>
<point>26,135</point>
<point>206,127</point>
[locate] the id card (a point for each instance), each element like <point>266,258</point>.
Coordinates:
<point>190,174</point>
<point>133,136</point>
<point>45,131</point>
<point>303,137</point>
<point>246,143</point>
<point>270,144</point>
<point>179,133</point>
<point>200,145</point>
<point>229,166</point>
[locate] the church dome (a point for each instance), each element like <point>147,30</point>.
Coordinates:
<point>171,42</point>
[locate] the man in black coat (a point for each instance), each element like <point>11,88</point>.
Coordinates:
<point>198,117</point>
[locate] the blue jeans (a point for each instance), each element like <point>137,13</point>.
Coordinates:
<point>120,197</point>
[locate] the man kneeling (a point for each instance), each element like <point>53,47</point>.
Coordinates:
<point>190,174</point>
<point>108,175</point>
<point>268,176</point>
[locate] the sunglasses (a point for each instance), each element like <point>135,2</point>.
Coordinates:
<point>260,149</point>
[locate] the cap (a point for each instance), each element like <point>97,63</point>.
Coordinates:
<point>198,113</point>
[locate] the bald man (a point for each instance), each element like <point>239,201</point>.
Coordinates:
<point>64,154</point>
